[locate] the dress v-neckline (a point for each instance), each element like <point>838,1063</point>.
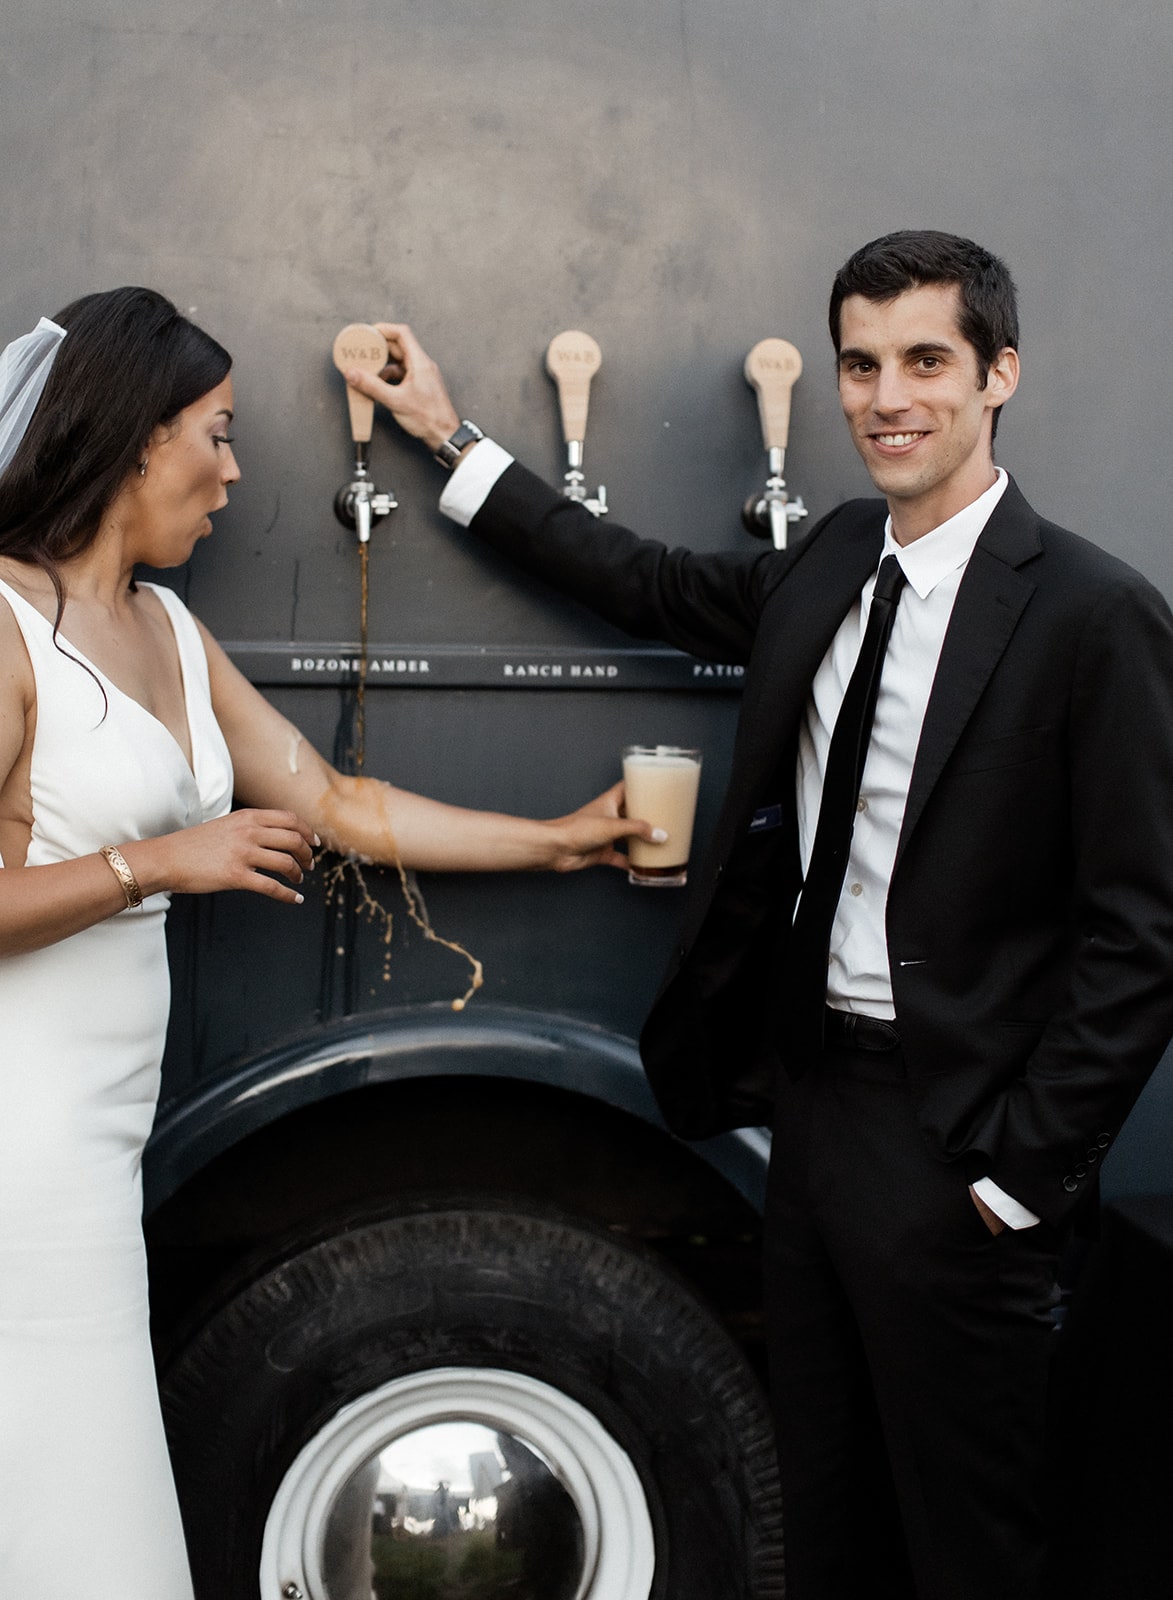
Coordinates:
<point>105,679</point>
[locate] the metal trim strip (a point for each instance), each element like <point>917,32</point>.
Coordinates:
<point>458,666</point>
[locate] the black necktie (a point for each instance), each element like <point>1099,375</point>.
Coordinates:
<point>804,981</point>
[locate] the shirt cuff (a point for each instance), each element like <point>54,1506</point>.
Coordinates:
<point>468,488</point>
<point>1013,1214</point>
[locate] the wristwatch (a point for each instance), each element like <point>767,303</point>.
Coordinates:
<point>449,452</point>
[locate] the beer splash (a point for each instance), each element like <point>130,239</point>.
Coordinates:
<point>371,794</point>
<point>334,879</point>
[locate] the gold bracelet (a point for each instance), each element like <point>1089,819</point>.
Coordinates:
<point>120,867</point>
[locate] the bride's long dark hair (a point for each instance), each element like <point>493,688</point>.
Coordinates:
<point>129,363</point>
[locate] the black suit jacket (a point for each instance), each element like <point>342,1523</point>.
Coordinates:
<point>1030,912</point>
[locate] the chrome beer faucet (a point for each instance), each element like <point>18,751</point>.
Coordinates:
<point>772,368</point>
<point>359,504</point>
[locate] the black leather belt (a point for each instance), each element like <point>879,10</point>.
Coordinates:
<point>852,1032</point>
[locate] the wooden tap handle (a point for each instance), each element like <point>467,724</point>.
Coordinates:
<point>360,345</point>
<point>773,367</point>
<point>572,359</point>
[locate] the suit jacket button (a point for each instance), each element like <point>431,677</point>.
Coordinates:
<point>1070,1184</point>
<point>1104,1140</point>
<point>1093,1156</point>
<point>1080,1172</point>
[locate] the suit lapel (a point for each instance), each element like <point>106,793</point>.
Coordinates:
<point>990,601</point>
<point>802,618</point>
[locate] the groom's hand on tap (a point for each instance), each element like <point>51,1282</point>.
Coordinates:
<point>411,387</point>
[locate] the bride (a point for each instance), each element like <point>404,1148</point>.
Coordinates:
<point>125,732</point>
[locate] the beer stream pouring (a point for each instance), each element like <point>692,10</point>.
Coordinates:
<point>772,368</point>
<point>572,359</point>
<point>359,504</point>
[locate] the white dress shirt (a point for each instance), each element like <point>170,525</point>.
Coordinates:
<point>858,977</point>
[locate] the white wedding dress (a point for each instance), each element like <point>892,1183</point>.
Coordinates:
<point>87,1503</point>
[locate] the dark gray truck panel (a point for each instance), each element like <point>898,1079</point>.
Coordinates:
<point>680,179</point>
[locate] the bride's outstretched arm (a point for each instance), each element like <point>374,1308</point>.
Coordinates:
<point>276,766</point>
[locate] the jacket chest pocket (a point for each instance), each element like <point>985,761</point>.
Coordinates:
<point>1004,750</point>
<point>763,863</point>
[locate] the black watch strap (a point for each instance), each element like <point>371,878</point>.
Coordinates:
<point>449,452</point>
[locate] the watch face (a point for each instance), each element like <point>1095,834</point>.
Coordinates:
<point>465,434</point>
<point>449,452</point>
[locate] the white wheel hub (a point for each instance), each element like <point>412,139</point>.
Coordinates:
<point>618,1544</point>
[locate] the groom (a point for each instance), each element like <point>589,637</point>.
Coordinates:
<point>935,924</point>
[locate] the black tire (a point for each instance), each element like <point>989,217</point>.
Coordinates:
<point>461,1286</point>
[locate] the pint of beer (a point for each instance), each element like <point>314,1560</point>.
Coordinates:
<point>661,783</point>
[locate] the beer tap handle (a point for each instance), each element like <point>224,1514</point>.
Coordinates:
<point>572,359</point>
<point>359,345</point>
<point>359,504</point>
<point>772,368</point>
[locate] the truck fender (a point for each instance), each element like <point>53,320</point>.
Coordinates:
<point>489,1041</point>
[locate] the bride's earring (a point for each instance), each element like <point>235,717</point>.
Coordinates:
<point>142,467</point>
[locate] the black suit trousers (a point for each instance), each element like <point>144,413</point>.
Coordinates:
<point>909,1354</point>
